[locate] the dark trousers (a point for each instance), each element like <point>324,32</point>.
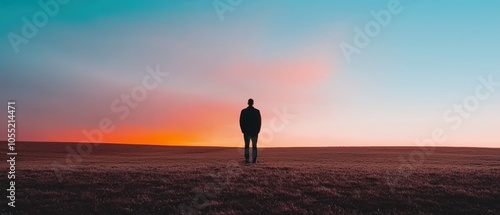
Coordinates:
<point>247,138</point>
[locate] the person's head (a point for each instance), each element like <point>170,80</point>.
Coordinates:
<point>250,102</point>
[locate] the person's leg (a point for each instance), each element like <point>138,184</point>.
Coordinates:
<point>246,137</point>
<point>254,147</point>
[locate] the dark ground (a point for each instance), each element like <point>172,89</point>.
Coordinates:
<point>129,179</point>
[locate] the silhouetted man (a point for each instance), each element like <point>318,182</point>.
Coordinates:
<point>250,123</point>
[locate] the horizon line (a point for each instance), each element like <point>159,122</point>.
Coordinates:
<point>212,146</point>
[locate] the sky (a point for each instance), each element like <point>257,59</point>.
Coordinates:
<point>322,73</point>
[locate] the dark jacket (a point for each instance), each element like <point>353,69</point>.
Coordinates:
<point>250,121</point>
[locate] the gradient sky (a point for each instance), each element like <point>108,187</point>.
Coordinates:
<point>284,54</point>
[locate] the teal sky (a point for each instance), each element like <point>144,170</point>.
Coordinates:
<point>283,53</point>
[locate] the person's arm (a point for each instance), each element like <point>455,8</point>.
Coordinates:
<point>241,121</point>
<point>259,121</point>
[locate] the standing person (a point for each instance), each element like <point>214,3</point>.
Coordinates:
<point>250,123</point>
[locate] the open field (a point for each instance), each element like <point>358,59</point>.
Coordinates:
<point>129,179</point>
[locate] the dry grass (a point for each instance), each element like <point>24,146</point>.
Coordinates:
<point>126,179</point>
